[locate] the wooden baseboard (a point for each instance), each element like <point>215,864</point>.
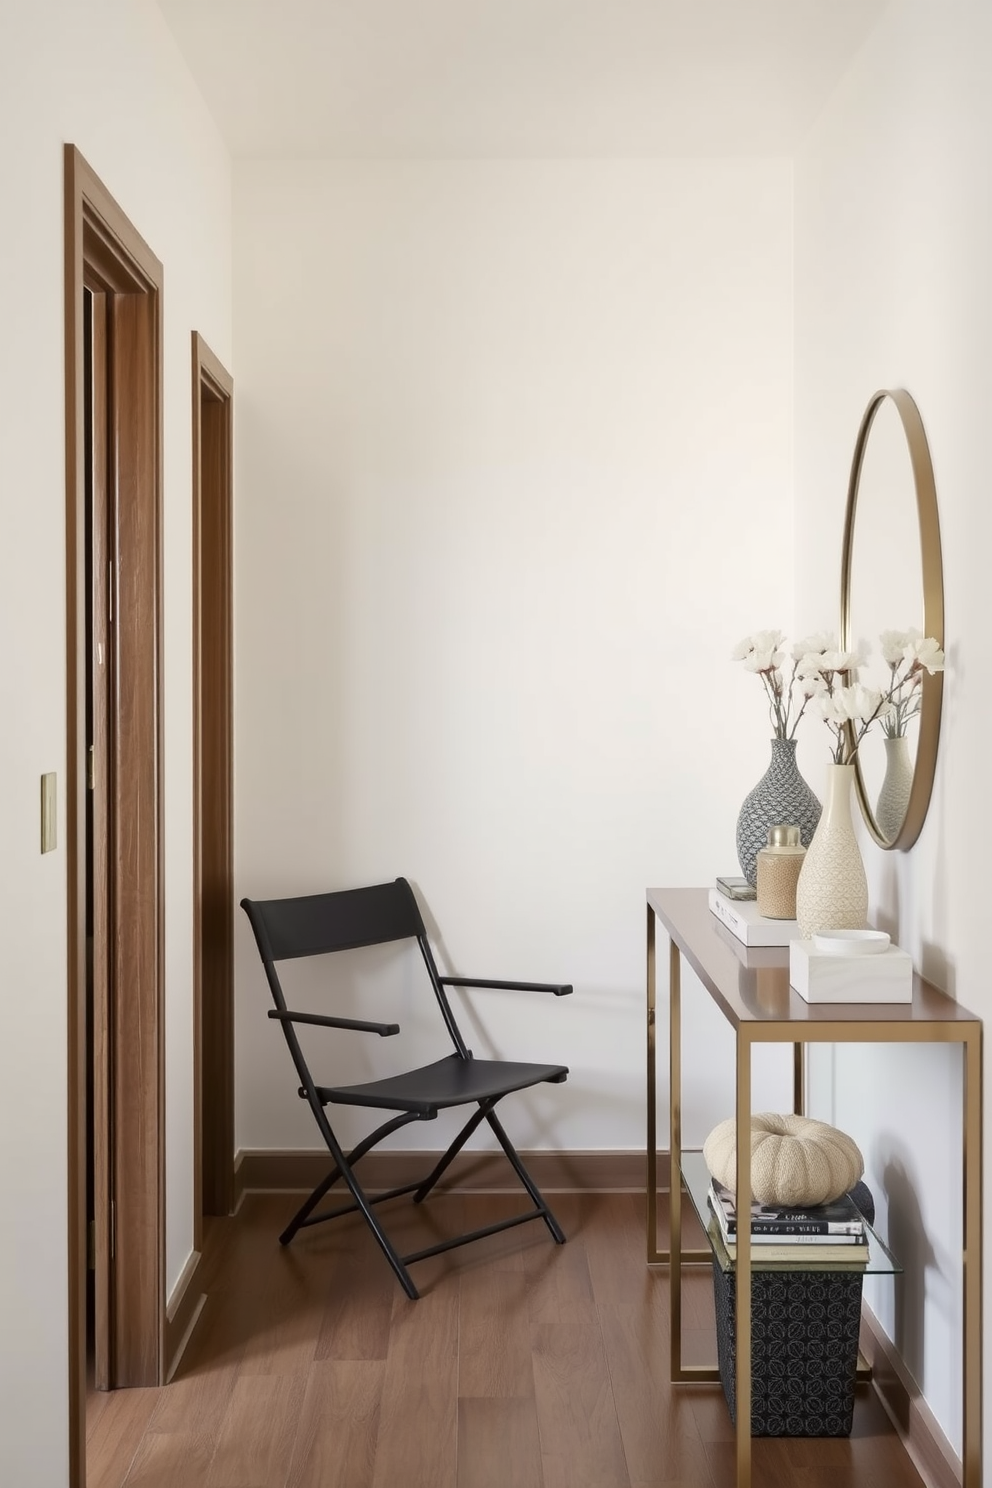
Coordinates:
<point>470,1172</point>
<point>932,1454</point>
<point>181,1314</point>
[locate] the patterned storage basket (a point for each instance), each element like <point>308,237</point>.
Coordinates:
<point>804,1345</point>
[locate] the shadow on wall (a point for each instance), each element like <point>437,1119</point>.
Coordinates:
<point>937,967</point>
<point>911,1247</point>
<point>899,888</point>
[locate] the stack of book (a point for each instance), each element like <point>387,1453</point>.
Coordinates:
<point>741,917</point>
<point>834,1232</point>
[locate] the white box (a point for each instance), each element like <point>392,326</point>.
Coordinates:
<point>742,917</point>
<point>886,976</point>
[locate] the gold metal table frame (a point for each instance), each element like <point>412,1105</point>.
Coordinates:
<point>769,1011</point>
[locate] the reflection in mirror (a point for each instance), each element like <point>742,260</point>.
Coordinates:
<point>886,595</point>
<point>892,588</point>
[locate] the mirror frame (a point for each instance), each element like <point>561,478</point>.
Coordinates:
<point>931,564</point>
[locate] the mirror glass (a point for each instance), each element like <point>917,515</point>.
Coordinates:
<point>892,582</point>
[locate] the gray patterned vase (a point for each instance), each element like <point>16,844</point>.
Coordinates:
<point>897,787</point>
<point>781,797</point>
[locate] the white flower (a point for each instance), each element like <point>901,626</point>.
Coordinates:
<point>923,651</point>
<point>763,661</point>
<point>858,702</point>
<point>893,645</point>
<point>823,675</point>
<point>810,685</point>
<point>844,661</point>
<point>810,664</point>
<point>908,654</point>
<point>764,654</point>
<point>759,651</point>
<point>815,645</point>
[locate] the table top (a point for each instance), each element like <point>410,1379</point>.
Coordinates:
<point>750,984</point>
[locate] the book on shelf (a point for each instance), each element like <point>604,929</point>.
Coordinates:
<point>733,887</point>
<point>816,1247</point>
<point>796,1250</point>
<point>752,958</point>
<point>768,1221</point>
<point>742,917</point>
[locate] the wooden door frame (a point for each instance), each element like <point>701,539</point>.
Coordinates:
<point>101,663</point>
<point>104,251</point>
<point>213,794</point>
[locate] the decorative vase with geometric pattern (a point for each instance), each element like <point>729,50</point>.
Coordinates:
<point>832,892</point>
<point>780,798</point>
<point>893,798</point>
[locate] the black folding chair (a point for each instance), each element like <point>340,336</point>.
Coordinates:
<point>320,923</point>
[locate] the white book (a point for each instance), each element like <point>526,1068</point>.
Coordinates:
<point>741,916</point>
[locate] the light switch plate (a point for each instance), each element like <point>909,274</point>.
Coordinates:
<point>49,810</point>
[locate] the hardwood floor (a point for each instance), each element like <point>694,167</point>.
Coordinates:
<point>524,1365</point>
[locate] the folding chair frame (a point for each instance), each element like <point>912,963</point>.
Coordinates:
<point>296,927</point>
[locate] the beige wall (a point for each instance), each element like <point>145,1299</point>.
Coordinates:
<point>564,393</point>
<point>893,242</point>
<point>513,477</point>
<point>105,75</point>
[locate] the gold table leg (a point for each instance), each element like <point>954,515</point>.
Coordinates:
<point>657,1257</point>
<point>742,1268</point>
<point>972,1341</point>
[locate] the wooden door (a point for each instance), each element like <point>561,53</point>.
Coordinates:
<point>213,853</point>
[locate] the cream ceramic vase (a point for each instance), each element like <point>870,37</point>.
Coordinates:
<point>893,798</point>
<point>832,892</point>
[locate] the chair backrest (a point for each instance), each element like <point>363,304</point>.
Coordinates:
<point>316,924</point>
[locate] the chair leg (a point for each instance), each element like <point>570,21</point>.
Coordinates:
<point>525,1177</point>
<point>300,1216</point>
<point>430,1181</point>
<point>392,1256</point>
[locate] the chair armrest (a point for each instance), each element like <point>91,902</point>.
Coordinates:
<point>382,1029</point>
<point>557,989</point>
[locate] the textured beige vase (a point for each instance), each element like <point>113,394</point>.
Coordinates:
<point>893,798</point>
<point>832,893</point>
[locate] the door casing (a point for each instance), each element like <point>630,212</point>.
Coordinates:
<point>105,253</point>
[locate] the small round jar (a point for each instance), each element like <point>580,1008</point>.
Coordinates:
<point>779,862</point>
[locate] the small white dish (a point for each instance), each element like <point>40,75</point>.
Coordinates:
<point>850,942</point>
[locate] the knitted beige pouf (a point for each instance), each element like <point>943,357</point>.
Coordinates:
<point>794,1159</point>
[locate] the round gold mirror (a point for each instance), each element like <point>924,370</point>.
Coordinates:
<point>892,581</point>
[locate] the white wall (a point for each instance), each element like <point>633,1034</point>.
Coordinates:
<point>514,448</point>
<point>893,243</point>
<point>105,75</point>
<point>514,458</point>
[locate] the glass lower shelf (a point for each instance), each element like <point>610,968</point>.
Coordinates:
<point>696,1178</point>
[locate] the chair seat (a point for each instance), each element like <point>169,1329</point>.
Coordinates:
<point>450,1082</point>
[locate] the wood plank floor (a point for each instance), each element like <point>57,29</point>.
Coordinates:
<point>524,1365</point>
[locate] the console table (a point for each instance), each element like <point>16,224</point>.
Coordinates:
<point>751,989</point>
